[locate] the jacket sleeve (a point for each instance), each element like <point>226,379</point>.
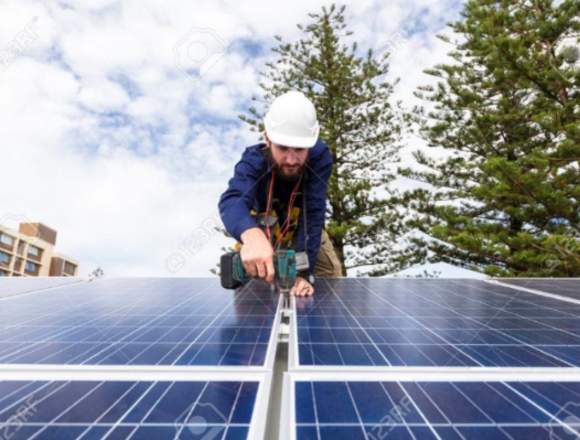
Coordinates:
<point>315,191</point>
<point>237,201</point>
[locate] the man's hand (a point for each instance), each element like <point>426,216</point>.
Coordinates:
<point>302,288</point>
<point>257,255</point>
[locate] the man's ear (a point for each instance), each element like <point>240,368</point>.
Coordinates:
<point>266,146</point>
<point>267,141</point>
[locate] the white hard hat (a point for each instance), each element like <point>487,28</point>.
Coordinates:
<point>291,121</point>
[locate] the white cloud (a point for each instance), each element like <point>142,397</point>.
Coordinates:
<point>102,95</point>
<point>108,139</point>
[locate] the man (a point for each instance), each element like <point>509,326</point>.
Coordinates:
<point>277,196</point>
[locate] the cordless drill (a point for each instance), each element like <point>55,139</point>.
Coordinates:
<point>287,264</point>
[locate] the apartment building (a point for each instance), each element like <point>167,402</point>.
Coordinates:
<point>30,251</point>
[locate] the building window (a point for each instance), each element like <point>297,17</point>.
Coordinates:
<point>4,258</point>
<point>6,239</point>
<point>31,267</point>
<point>33,251</point>
<point>69,268</point>
<point>3,273</point>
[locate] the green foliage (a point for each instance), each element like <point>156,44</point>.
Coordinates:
<point>507,114</point>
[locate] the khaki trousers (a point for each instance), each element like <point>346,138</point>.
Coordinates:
<point>327,262</point>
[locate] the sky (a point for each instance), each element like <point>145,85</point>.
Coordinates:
<point>119,119</point>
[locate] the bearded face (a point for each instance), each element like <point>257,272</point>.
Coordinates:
<point>289,163</point>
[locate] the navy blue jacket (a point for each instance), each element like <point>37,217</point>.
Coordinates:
<point>248,188</point>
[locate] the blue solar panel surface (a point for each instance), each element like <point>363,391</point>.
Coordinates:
<point>349,322</point>
<point>126,410</point>
<point>434,323</point>
<point>436,410</point>
<point>139,322</point>
<point>569,288</point>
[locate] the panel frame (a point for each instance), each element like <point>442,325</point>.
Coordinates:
<point>65,283</point>
<point>498,282</point>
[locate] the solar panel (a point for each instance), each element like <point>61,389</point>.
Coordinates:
<point>183,358</point>
<point>432,323</point>
<point>170,322</point>
<point>127,409</point>
<point>10,286</point>
<point>569,288</point>
<point>374,409</point>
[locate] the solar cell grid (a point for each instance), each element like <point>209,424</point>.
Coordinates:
<point>125,323</point>
<point>434,323</point>
<point>370,323</point>
<point>374,409</point>
<point>128,410</point>
<point>139,322</point>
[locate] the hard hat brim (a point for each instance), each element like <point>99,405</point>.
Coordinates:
<point>293,141</point>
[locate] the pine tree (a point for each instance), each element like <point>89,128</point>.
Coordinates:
<point>358,123</point>
<point>505,124</point>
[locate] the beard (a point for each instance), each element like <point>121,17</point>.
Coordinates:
<point>288,174</point>
<point>282,171</point>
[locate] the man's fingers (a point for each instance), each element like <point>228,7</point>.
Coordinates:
<point>261,270</point>
<point>294,290</point>
<point>256,254</point>
<point>270,271</point>
<point>301,288</point>
<point>250,267</point>
<point>307,289</point>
